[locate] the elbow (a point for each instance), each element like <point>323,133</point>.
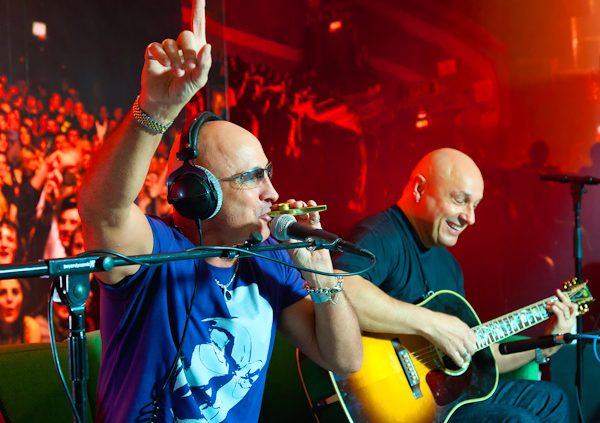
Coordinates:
<point>353,366</point>
<point>350,363</point>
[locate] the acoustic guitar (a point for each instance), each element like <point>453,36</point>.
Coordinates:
<point>404,378</point>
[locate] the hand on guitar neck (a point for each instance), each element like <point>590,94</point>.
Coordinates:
<point>562,320</point>
<point>564,311</point>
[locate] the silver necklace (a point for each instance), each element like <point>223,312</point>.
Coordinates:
<point>225,288</point>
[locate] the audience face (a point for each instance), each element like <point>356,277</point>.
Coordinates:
<point>73,136</point>
<point>29,161</point>
<point>11,299</point>
<point>24,136</point>
<point>68,221</point>
<point>31,103</point>
<point>77,242</point>
<point>8,244</point>
<point>86,160</point>
<point>52,126</point>
<point>68,105</point>
<point>13,120</point>
<point>61,142</point>
<point>4,168</point>
<point>78,109</point>
<point>103,113</point>
<point>118,114</point>
<point>3,142</point>
<point>54,102</point>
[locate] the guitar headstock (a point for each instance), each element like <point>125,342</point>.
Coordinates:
<point>579,293</point>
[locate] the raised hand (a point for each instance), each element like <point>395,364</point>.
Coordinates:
<point>175,70</point>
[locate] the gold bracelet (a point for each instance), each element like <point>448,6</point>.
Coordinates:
<point>323,295</point>
<point>147,121</point>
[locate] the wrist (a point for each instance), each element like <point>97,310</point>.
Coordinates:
<point>328,294</point>
<point>161,112</point>
<point>422,321</point>
<point>540,357</point>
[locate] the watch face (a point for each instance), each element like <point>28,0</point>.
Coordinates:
<point>540,358</point>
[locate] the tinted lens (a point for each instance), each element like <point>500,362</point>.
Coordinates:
<point>252,178</point>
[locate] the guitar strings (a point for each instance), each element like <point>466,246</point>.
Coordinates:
<point>428,355</point>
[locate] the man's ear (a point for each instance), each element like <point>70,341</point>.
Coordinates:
<point>418,187</point>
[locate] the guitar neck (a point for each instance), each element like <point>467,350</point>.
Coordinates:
<point>504,326</point>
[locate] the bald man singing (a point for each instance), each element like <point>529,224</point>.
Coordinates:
<point>410,240</point>
<point>191,340</point>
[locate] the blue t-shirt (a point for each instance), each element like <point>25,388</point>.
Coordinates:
<point>221,372</point>
<point>405,269</point>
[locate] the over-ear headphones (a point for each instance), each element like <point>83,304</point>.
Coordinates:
<point>193,190</point>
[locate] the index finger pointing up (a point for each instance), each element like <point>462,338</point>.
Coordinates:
<point>199,21</point>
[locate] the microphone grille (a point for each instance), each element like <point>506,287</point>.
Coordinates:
<point>279,226</point>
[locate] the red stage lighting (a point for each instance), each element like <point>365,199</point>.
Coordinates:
<point>39,30</point>
<point>422,120</point>
<point>335,26</point>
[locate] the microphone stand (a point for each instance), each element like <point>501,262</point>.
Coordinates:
<point>72,274</point>
<point>577,191</point>
<point>578,184</point>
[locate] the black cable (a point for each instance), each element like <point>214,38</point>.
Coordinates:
<point>285,263</point>
<point>55,353</point>
<point>156,402</point>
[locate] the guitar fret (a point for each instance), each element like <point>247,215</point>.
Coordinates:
<point>517,321</point>
<point>514,326</point>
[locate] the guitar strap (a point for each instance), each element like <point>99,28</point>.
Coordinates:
<point>428,292</point>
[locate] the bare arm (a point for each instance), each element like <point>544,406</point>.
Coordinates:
<point>327,333</point>
<point>380,313</point>
<point>110,219</point>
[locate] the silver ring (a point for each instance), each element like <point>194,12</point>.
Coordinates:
<point>467,356</point>
<point>314,221</point>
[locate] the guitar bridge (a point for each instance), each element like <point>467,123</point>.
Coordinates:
<point>414,381</point>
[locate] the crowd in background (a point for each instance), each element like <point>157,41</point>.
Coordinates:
<point>47,141</point>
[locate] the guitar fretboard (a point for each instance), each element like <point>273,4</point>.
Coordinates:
<point>504,326</point>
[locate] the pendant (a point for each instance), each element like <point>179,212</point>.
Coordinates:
<point>227,294</point>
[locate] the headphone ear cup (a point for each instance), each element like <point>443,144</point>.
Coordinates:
<point>194,192</point>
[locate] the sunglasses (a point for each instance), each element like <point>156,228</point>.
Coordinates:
<point>251,178</point>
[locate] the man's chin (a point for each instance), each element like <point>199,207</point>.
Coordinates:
<point>448,241</point>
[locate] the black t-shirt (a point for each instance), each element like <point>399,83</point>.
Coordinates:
<point>405,269</point>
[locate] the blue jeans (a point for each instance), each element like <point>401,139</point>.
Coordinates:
<point>518,401</point>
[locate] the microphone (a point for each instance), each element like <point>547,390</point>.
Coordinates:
<point>285,227</point>
<point>542,342</point>
<point>565,179</point>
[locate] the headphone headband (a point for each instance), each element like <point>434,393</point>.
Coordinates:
<point>188,150</point>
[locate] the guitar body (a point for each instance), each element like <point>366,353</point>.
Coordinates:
<point>381,391</point>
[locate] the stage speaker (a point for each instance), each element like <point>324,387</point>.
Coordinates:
<point>562,371</point>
